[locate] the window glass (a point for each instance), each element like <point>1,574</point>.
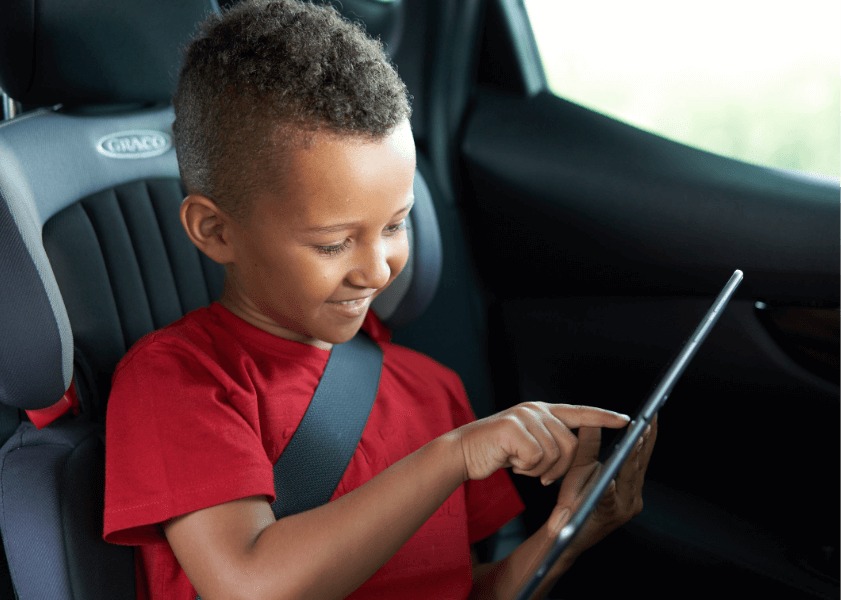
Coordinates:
<point>756,80</point>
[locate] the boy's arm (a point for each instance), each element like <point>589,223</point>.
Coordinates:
<point>622,501</point>
<point>238,550</point>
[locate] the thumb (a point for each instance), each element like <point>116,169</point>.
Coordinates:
<point>558,518</point>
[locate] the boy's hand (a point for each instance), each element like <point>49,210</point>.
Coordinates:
<point>621,501</point>
<point>533,438</point>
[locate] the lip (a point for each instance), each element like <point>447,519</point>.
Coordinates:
<point>352,307</point>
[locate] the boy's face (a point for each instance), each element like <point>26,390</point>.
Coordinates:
<point>308,259</point>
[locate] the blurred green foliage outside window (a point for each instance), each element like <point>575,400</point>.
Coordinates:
<point>755,80</point>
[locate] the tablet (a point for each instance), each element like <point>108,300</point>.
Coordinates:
<point>622,449</point>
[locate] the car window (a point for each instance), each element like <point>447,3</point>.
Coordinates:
<point>749,79</point>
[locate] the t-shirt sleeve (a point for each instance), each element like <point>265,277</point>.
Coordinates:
<point>179,438</point>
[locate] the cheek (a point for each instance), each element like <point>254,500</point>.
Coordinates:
<point>319,281</point>
<point>288,276</point>
<point>318,278</point>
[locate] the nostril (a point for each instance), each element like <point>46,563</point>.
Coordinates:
<point>373,275</point>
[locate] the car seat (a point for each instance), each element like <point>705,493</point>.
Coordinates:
<point>92,258</point>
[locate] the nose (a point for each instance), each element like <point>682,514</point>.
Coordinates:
<point>373,269</point>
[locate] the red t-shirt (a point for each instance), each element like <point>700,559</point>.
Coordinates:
<point>201,410</point>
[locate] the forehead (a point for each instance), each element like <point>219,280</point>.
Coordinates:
<point>328,173</point>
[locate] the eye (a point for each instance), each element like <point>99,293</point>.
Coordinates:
<point>334,249</point>
<point>397,227</point>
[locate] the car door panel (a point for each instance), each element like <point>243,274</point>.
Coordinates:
<point>629,205</point>
<point>600,246</point>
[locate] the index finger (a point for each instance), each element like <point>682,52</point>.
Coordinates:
<point>589,444</point>
<point>576,415</point>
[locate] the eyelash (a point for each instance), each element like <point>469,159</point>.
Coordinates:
<point>333,250</point>
<point>339,248</point>
<point>397,227</point>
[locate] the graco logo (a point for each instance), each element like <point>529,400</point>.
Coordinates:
<point>144,143</point>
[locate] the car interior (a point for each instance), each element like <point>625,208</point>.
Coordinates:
<point>558,255</point>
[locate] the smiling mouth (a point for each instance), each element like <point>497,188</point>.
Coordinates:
<point>353,302</point>
<point>352,307</point>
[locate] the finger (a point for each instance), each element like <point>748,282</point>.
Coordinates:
<point>557,444</point>
<point>587,453</point>
<point>557,519</point>
<point>631,476</point>
<point>609,501</point>
<point>649,438</point>
<point>542,453</point>
<point>589,445</point>
<point>574,416</point>
<point>644,447</point>
<point>575,483</point>
<point>652,432</point>
<point>566,443</point>
<point>523,449</point>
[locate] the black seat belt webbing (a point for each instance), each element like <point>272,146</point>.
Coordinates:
<point>309,469</point>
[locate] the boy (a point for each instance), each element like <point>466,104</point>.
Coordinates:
<point>293,139</point>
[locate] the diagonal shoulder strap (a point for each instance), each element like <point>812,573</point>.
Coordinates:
<point>308,471</point>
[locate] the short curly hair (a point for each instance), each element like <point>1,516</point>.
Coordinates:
<point>263,76</point>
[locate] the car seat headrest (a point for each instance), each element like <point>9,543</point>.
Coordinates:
<point>410,294</point>
<point>95,52</point>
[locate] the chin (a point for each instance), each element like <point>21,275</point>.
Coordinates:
<point>338,335</point>
<point>341,338</point>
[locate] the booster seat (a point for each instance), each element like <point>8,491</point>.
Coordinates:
<point>92,257</point>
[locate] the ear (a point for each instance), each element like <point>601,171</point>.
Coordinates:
<point>208,227</point>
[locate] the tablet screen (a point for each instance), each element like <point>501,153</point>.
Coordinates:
<point>623,447</point>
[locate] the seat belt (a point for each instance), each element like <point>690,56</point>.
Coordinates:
<point>309,469</point>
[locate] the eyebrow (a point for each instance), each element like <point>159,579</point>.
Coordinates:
<point>342,226</point>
